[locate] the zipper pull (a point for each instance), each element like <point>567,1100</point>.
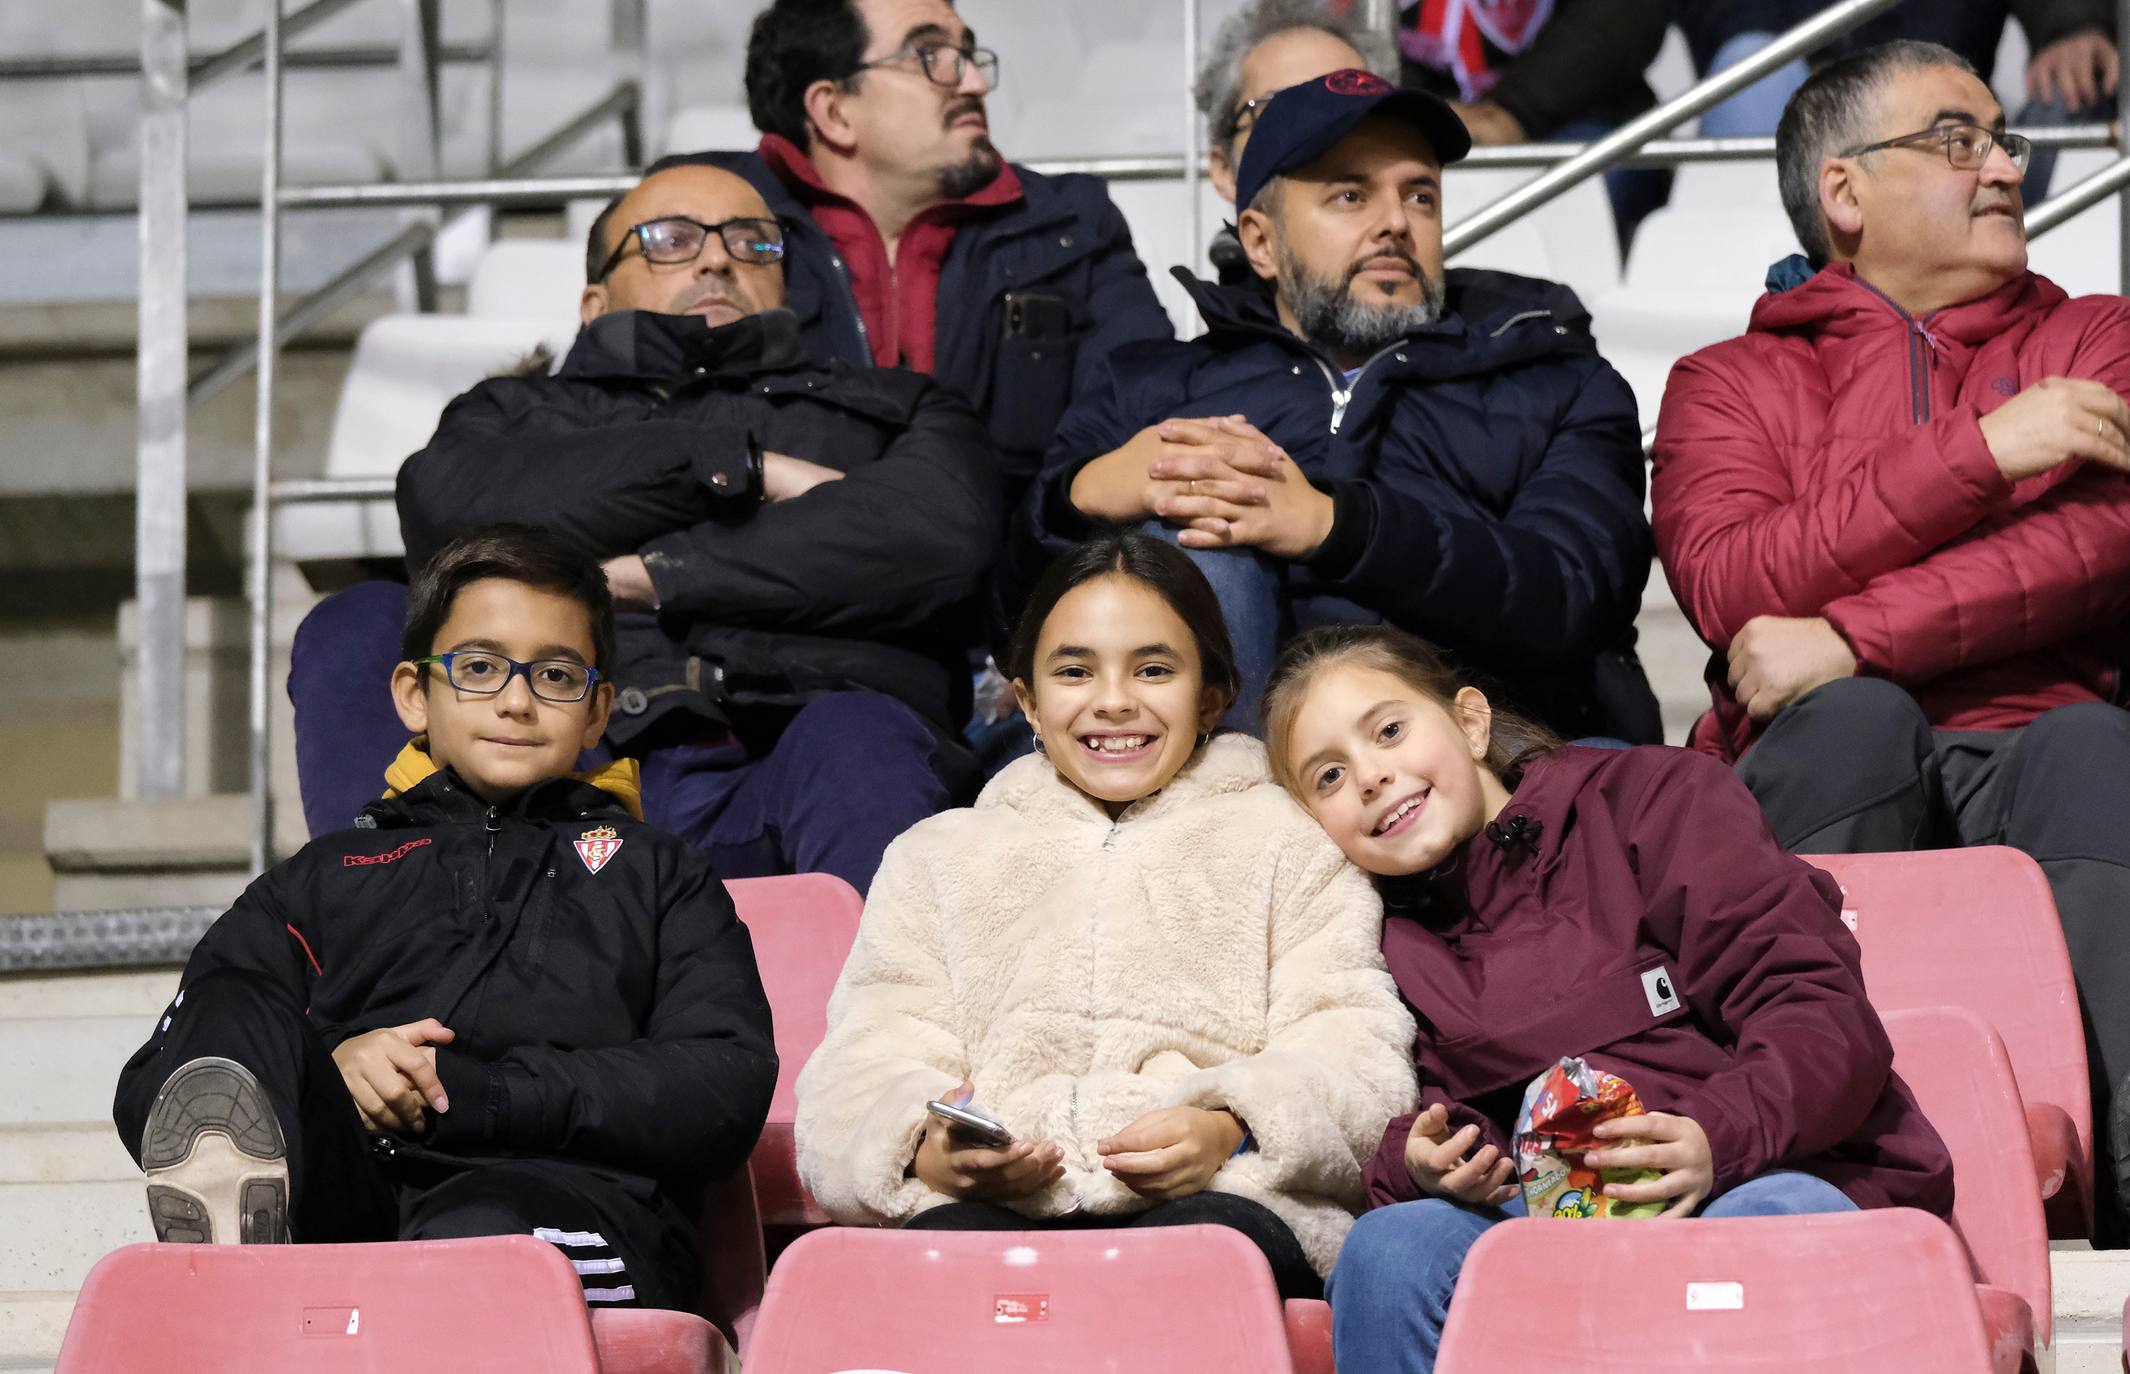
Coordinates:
<point>1339,402</point>
<point>495,828</point>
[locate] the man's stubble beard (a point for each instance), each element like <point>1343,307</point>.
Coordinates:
<point>972,174</point>
<point>1331,317</point>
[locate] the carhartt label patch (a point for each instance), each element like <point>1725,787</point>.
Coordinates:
<point>596,846</point>
<point>1657,987</point>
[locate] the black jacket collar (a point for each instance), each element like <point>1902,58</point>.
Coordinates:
<point>442,798</point>
<point>639,346</point>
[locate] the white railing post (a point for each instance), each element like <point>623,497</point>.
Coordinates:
<point>262,511</point>
<point>163,360</point>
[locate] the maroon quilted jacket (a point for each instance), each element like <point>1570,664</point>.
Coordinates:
<point>1831,462</point>
<point>1629,906</point>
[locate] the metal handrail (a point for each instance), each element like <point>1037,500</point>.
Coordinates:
<point>348,283</point>
<point>119,64</point>
<point>1606,152</point>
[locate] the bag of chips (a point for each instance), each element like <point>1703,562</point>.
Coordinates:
<point>1553,1132</point>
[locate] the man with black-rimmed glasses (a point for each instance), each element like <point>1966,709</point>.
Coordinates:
<point>794,548</point>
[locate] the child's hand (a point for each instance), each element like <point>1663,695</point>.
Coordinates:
<point>1678,1146</point>
<point>951,1164</point>
<point>391,1074</point>
<point>1172,1153</point>
<point>1436,1160</point>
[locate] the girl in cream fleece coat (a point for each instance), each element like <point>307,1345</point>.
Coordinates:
<point>1085,960</point>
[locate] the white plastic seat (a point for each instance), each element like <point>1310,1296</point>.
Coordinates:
<point>528,279</point>
<point>1691,281</point>
<point>22,184</point>
<point>406,369</point>
<point>706,128</point>
<point>2083,255</point>
<point>1569,239</point>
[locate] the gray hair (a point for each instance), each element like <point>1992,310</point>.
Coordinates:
<point>1832,111</point>
<point>1218,89</point>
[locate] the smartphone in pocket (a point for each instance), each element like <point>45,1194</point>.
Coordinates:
<point>975,1125</point>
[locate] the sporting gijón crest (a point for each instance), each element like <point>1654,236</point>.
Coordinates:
<point>596,846</point>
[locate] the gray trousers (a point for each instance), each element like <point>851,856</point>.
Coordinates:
<point>1853,767</point>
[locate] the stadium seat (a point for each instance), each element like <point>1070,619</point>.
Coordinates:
<point>529,279</point>
<point>706,128</point>
<point>406,369</point>
<point>1182,1297</point>
<point>644,1340</point>
<point>1569,239</point>
<point>1977,928</point>
<point>508,1304</point>
<point>1886,1291</point>
<point>1957,1068</point>
<point>803,927</point>
<point>1690,281</point>
<point>2082,255</point>
<point>1309,1336</point>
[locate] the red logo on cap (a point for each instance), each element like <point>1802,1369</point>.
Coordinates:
<point>1354,81</point>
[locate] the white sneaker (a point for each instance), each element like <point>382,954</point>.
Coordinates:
<point>214,1158</point>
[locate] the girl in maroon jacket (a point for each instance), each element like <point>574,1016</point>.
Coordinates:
<point>1628,906</point>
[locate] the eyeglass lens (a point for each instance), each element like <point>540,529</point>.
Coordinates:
<point>944,66</point>
<point>554,679</point>
<point>681,240</point>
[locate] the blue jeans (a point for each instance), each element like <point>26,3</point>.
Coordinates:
<point>1390,1292</point>
<point>1756,110</point>
<point>850,772</point>
<point>1254,604</point>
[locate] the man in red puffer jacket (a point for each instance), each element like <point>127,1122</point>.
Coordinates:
<point>1897,509</point>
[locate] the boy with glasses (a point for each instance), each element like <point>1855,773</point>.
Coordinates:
<point>500,1003</point>
<point>1896,510</point>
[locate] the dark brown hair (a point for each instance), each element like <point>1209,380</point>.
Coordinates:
<point>1513,741</point>
<point>1164,569</point>
<point>515,553</point>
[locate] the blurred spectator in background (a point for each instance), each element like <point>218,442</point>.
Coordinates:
<point>2070,77</point>
<point>1531,71</point>
<point>1267,47</point>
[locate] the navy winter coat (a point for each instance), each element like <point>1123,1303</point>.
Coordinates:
<point>1487,470</point>
<point>1063,243</point>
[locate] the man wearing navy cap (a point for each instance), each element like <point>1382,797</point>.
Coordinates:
<point>1360,435</point>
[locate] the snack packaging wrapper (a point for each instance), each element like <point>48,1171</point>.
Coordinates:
<point>1553,1131</point>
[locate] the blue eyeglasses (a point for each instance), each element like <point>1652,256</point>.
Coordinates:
<point>482,673</point>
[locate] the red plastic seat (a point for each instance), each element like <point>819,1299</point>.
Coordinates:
<point>1977,928</point>
<point>1309,1336</point>
<point>1886,1291</point>
<point>645,1340</point>
<point>508,1304</point>
<point>1955,1064</point>
<point>1028,1302</point>
<point>803,928</point>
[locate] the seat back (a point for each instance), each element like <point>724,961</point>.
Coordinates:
<point>803,927</point>
<point>508,1304</point>
<point>1887,1291</point>
<point>1977,929</point>
<point>1956,1066</point>
<point>1180,1297</point>
<point>406,369</point>
<point>529,279</point>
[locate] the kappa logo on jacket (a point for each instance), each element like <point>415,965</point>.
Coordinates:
<point>389,856</point>
<point>596,846</point>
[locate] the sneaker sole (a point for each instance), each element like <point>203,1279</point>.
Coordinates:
<point>215,1160</point>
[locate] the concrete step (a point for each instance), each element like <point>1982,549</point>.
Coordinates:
<point>2089,1289</point>
<point>64,1069</point>
<point>31,1327</point>
<point>60,1230</point>
<point>45,996</point>
<point>63,1153</point>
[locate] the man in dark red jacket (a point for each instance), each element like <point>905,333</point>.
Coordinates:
<point>1896,508</point>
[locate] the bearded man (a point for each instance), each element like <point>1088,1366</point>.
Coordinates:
<point>1360,435</point>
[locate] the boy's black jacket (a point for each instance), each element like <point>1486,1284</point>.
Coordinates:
<point>611,1018</point>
